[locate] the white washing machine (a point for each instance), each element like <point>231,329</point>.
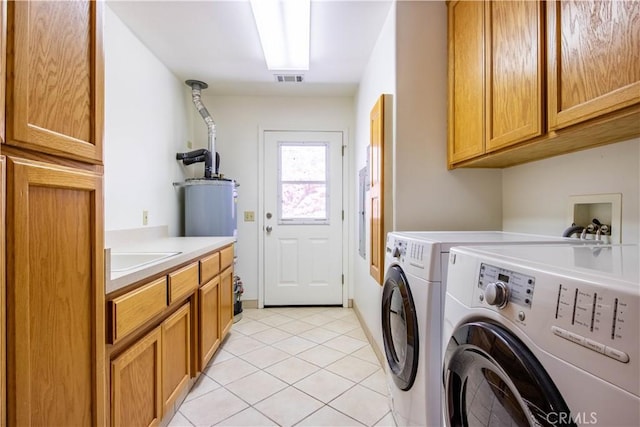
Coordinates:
<point>542,335</point>
<point>412,300</point>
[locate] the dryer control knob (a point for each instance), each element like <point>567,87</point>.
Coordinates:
<point>497,293</point>
<point>396,252</point>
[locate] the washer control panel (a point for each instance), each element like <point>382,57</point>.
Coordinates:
<point>398,248</point>
<point>500,286</point>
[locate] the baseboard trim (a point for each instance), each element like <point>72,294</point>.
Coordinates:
<point>369,335</point>
<point>249,303</point>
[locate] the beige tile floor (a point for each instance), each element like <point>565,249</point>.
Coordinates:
<point>310,366</point>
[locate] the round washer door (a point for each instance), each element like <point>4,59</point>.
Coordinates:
<point>399,328</point>
<point>491,378</point>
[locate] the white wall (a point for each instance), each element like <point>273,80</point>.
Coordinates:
<point>379,78</point>
<point>427,195</point>
<point>146,123</point>
<point>238,119</point>
<point>410,62</point>
<point>536,195</point>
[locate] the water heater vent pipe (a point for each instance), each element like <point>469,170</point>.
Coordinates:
<point>196,87</point>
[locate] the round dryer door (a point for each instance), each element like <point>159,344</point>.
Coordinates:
<point>491,378</point>
<point>399,328</point>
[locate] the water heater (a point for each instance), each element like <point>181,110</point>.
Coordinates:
<point>210,207</point>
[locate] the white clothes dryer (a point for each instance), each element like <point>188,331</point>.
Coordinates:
<point>542,335</point>
<point>412,300</point>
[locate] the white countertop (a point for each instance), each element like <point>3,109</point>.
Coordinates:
<point>189,248</point>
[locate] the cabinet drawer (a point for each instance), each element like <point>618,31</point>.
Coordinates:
<point>209,267</point>
<point>183,282</point>
<point>226,257</point>
<point>133,309</point>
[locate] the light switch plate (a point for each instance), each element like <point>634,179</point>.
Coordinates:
<point>249,216</point>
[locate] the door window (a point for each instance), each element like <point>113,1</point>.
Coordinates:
<point>303,183</point>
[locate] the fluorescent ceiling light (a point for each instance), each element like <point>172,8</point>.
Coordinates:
<point>283,26</point>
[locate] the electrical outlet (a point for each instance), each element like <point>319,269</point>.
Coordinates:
<point>145,217</point>
<point>249,216</point>
<point>606,208</point>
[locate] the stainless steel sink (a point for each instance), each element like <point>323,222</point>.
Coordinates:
<point>121,261</point>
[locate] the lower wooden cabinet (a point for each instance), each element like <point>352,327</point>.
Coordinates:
<point>148,378</point>
<point>136,398</point>
<point>160,348</point>
<point>208,321</point>
<point>55,296</point>
<point>226,301</point>
<point>3,411</point>
<point>176,356</point>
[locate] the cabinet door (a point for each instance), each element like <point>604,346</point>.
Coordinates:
<point>376,191</point>
<point>226,301</point>
<point>209,321</point>
<point>55,295</point>
<point>514,70</point>
<point>593,59</point>
<point>466,80</point>
<point>3,65</point>
<point>136,378</point>
<point>3,412</point>
<point>55,78</point>
<point>176,355</point>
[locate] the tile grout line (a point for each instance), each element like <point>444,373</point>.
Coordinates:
<point>318,368</point>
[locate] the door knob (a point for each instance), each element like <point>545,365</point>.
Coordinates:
<point>269,228</point>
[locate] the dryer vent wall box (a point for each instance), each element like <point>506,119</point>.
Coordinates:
<point>606,208</point>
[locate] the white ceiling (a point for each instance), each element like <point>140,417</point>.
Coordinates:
<point>216,41</point>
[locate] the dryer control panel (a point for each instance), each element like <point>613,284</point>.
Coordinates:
<point>594,317</point>
<point>508,286</point>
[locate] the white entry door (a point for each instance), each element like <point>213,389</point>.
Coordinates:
<point>302,218</point>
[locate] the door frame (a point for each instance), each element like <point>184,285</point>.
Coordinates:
<point>346,222</point>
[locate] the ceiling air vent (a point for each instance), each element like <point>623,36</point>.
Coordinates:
<point>289,78</point>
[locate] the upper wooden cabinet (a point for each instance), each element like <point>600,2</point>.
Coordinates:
<point>593,59</point>
<point>533,79</point>
<point>514,70</point>
<point>54,85</point>
<point>3,64</point>
<point>466,80</point>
